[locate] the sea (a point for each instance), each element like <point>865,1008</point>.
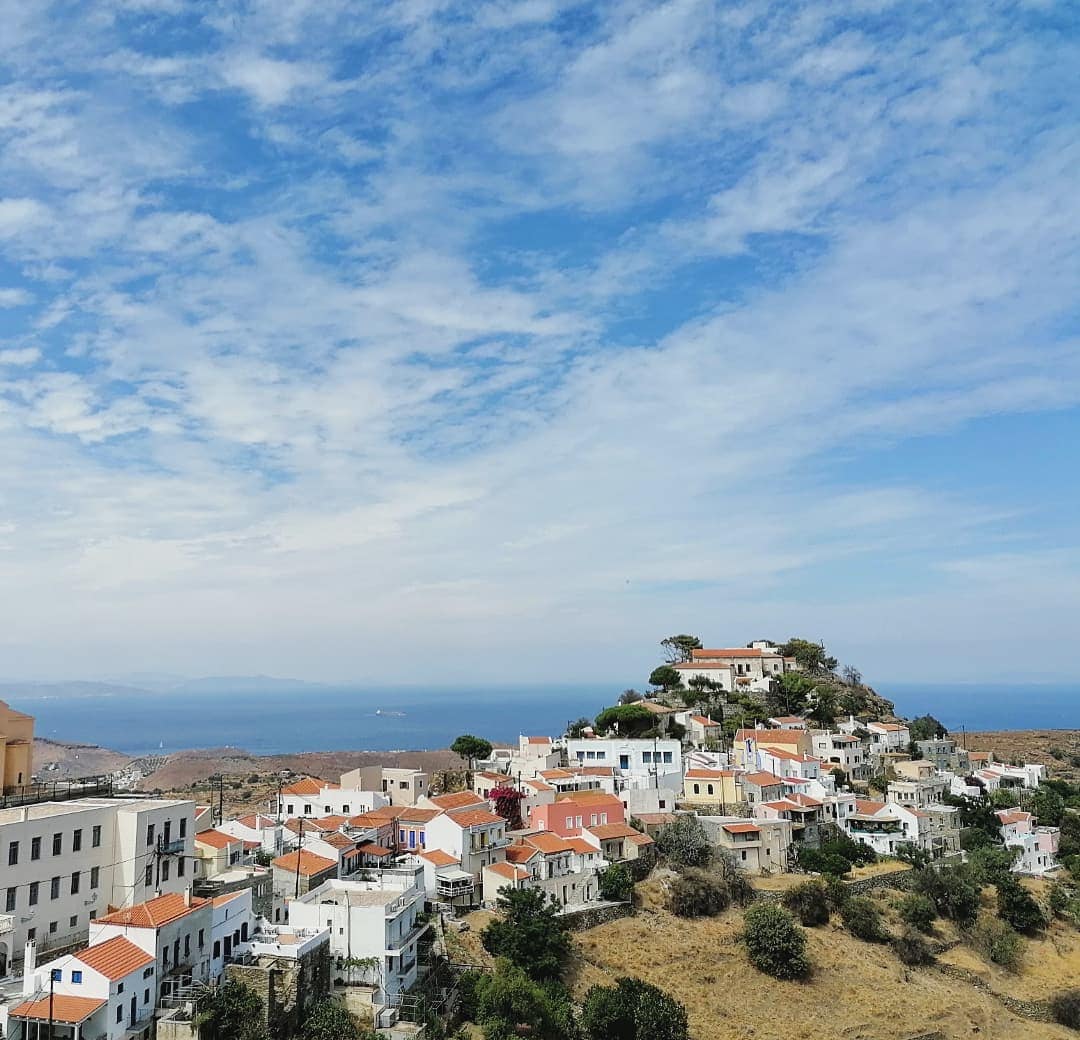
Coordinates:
<point>339,718</point>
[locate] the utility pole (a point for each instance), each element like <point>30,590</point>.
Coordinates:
<point>299,849</point>
<point>52,984</point>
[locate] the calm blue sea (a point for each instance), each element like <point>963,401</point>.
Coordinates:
<point>317,718</point>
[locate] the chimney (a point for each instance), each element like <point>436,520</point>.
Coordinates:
<point>29,967</point>
<point>187,897</point>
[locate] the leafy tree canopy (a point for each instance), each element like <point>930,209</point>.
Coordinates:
<point>233,1012</point>
<point>666,677</point>
<point>630,697</point>
<point>471,748</point>
<point>775,943</point>
<point>330,1020</point>
<point>926,727</point>
<point>631,720</point>
<point>810,656</point>
<point>632,1010</point>
<point>684,842</point>
<point>530,934</point>
<point>508,1001</point>
<point>680,648</point>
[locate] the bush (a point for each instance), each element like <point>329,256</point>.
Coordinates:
<point>1065,1007</point>
<point>737,880</point>
<point>918,911</point>
<point>809,902</point>
<point>616,883</point>
<point>819,862</point>
<point>684,842</point>
<point>913,949</point>
<point>1017,907</point>
<point>698,894</point>
<point>775,943</point>
<point>836,890</point>
<point>632,1010</point>
<point>862,917</point>
<point>953,890</point>
<point>998,943</point>
<point>991,863</point>
<point>1060,897</point>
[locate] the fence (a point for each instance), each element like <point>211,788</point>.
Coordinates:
<point>57,791</point>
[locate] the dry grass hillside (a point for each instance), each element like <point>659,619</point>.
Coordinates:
<point>1033,745</point>
<point>858,991</point>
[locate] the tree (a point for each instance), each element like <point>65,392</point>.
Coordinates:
<point>666,677</point>
<point>926,727</point>
<point>530,934</point>
<point>329,1019</point>
<point>953,890</point>
<point>997,942</point>
<point>632,1010</point>
<point>629,719</point>
<point>775,943</point>
<point>507,802</point>
<point>508,1000</point>
<point>684,842</point>
<point>840,778</point>
<point>577,728</point>
<point>616,883</point>
<point>809,902</point>
<point>1048,807</point>
<point>788,694</point>
<point>918,911</point>
<point>630,697</point>
<point>852,675</point>
<point>811,657</point>
<point>824,706</point>
<point>233,1012</point>
<point>678,649</point>
<point>1017,907</point>
<point>471,748</point>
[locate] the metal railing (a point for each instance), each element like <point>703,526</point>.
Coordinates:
<point>57,791</point>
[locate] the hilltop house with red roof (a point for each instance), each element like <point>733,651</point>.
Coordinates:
<point>741,667</point>
<point>471,833</point>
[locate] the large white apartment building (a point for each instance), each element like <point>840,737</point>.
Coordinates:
<point>643,762</point>
<point>64,864</point>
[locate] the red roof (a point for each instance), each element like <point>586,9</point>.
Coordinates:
<point>474,817</point>
<point>521,853</point>
<point>548,843</point>
<point>115,959</point>
<point>741,828</point>
<point>310,864</point>
<point>735,651</point>
<point>772,736</point>
<point>375,850</point>
<point>613,830</point>
<point>438,857</point>
<point>538,740</point>
<point>70,1010</point>
<point>763,779</point>
<point>154,912</point>
<point>217,839</point>
<point>456,800</point>
<point>508,870</point>
<point>708,774</point>
<point>308,785</point>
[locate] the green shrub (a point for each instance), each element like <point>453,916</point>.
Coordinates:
<point>1060,897</point>
<point>837,891</point>
<point>1056,752</point>
<point>809,902</point>
<point>818,862</point>
<point>862,917</point>
<point>632,1010</point>
<point>954,891</point>
<point>991,863</point>
<point>616,883</point>
<point>998,943</point>
<point>918,911</point>
<point>913,949</point>
<point>698,894</point>
<point>684,842</point>
<point>1017,907</point>
<point>1066,1008</point>
<point>775,943</point>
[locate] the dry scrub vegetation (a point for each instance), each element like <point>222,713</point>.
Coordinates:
<point>859,991</point>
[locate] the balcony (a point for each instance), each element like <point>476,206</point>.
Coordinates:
<point>7,923</point>
<point>170,848</point>
<point>460,884</point>
<point>399,946</point>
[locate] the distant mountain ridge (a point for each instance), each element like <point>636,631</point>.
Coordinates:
<point>150,687</point>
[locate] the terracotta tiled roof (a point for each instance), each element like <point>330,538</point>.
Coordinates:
<point>735,651</point>
<point>702,666</point>
<point>457,800</point>
<point>438,857</point>
<point>1011,816</point>
<point>596,797</point>
<point>763,779</point>
<point>474,817</point>
<point>154,912</point>
<point>581,846</point>
<point>340,841</point>
<point>867,807</point>
<point>216,839</point>
<point>331,823</point>
<point>612,830</point>
<point>228,897</point>
<point>115,959</point>
<point>497,778</point>
<point>539,785</point>
<point>741,828</point>
<point>310,864</point>
<point>308,785</point>
<point>378,851</point>
<point>655,819</point>
<point>548,843</point>
<point>708,774</point>
<point>521,853</point>
<point>789,720</point>
<point>772,736</point>
<point>639,839</point>
<point>70,1010</point>
<point>594,770</point>
<point>538,740</point>
<point>556,774</point>
<point>508,870</point>
<point>703,720</point>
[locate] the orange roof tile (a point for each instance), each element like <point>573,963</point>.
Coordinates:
<point>741,828</point>
<point>70,1010</point>
<point>734,651</point>
<point>310,864</point>
<point>763,779</point>
<point>521,853</point>
<point>456,800</point>
<point>595,797</point>
<point>154,912</point>
<point>703,720</point>
<point>539,785</point>
<point>772,736</point>
<point>656,819</point>
<point>216,839</point>
<point>708,774</point>
<point>438,857</point>
<point>115,959</point>
<point>508,870</point>
<point>309,785</point>
<point>228,897</point>
<point>639,839</point>
<point>414,814</point>
<point>378,851</point>
<point>582,847</point>
<point>867,807</point>
<point>474,817</point>
<point>538,740</point>
<point>613,830</point>
<point>548,843</point>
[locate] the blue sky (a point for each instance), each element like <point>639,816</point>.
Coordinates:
<point>431,341</point>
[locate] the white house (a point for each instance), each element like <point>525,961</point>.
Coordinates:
<point>475,837</point>
<point>1036,847</point>
<point>740,667</point>
<point>643,761</point>
<point>842,750</point>
<point>105,991</point>
<point>232,925</point>
<point>314,798</point>
<point>373,921</point>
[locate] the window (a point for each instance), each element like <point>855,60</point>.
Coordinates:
<point>76,840</point>
<point>697,788</point>
<point>667,757</point>
<point>146,996</point>
<point>149,875</point>
<point>31,934</point>
<point>289,809</point>
<point>9,901</point>
<point>217,948</point>
<point>646,757</point>
<point>165,870</point>
<point>13,853</point>
<point>307,810</point>
<point>202,938</point>
<point>119,987</point>
<point>180,866</point>
<point>327,809</point>
<point>57,844</point>
<point>709,788</point>
<point>149,834</point>
<point>187,946</point>
<point>119,1012</point>
<point>345,810</point>
<point>148,972</point>
<point>76,977</point>
<point>53,927</point>
<point>93,915</point>
<point>601,754</point>
<point>183,826</point>
<point>95,876</point>
<point>73,921</point>
<point>54,888</point>
<point>742,852</point>
<point>35,848</point>
<point>95,836</point>
<point>56,975</point>
<point>75,883</point>
<point>663,804</point>
<point>33,893</point>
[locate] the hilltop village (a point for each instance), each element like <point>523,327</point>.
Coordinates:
<point>403,903</point>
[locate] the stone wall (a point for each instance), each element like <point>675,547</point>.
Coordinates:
<point>591,917</point>
<point>899,879</point>
<point>1037,1010</point>
<point>286,988</point>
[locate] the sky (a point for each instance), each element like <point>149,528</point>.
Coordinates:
<point>425,341</point>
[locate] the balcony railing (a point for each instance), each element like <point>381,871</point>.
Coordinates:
<point>171,847</point>
<point>7,923</point>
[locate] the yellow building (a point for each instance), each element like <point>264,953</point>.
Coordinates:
<point>16,748</point>
<point>710,787</point>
